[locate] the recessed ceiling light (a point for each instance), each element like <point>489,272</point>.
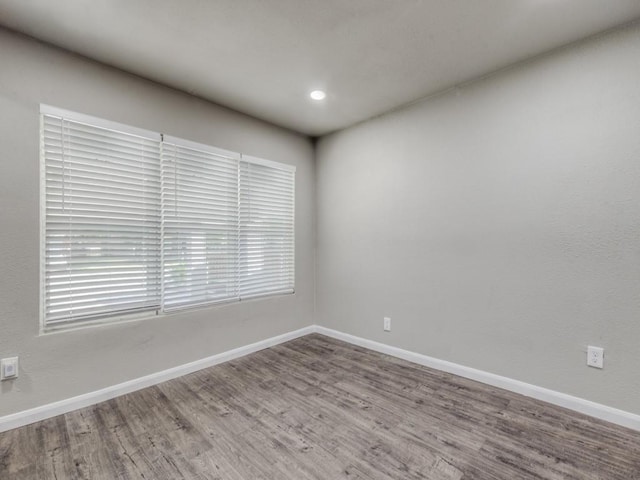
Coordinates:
<point>318,95</point>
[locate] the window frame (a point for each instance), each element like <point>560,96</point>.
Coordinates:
<point>274,166</point>
<point>208,149</point>
<point>159,310</point>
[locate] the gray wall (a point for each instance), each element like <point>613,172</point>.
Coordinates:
<point>58,366</point>
<point>497,224</point>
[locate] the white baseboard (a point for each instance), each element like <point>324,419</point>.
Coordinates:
<point>597,410</point>
<point>613,415</point>
<point>43,412</point>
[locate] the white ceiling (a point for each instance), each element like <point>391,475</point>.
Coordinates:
<point>263,57</point>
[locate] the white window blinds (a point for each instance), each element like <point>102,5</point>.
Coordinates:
<point>267,192</point>
<point>134,222</point>
<point>102,231</point>
<point>200,224</point>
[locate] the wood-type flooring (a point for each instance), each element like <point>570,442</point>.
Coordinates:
<point>318,408</point>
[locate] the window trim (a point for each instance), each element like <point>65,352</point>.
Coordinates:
<point>268,163</point>
<point>124,317</point>
<point>98,122</point>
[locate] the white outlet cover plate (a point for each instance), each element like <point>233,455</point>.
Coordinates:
<point>387,324</point>
<point>9,368</point>
<point>595,357</point>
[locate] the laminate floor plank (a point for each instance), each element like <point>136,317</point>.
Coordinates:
<point>14,444</point>
<point>316,408</point>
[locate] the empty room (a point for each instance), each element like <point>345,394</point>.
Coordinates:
<point>339,239</point>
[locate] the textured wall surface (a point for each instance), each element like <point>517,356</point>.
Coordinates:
<point>498,224</point>
<point>62,365</point>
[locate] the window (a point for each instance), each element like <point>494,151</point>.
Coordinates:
<point>266,228</point>
<point>102,221</point>
<point>200,224</point>
<point>134,222</point>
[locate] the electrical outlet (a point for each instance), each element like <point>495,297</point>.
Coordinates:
<point>595,357</point>
<point>9,368</point>
<point>387,324</point>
